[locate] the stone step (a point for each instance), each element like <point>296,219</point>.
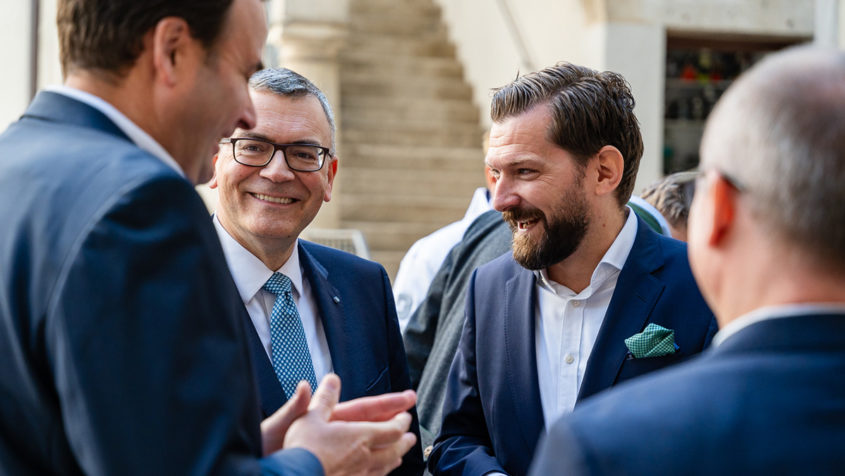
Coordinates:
<point>390,260</point>
<point>355,61</point>
<point>453,138</point>
<point>395,156</point>
<point>393,109</point>
<point>399,207</point>
<point>402,25</point>
<point>394,8</point>
<point>421,183</point>
<point>392,157</point>
<point>421,127</point>
<point>401,46</point>
<point>395,236</point>
<point>391,83</point>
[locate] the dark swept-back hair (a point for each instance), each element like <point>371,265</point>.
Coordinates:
<point>108,35</point>
<point>589,111</point>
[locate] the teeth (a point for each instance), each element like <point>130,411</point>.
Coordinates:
<point>273,199</point>
<point>524,224</point>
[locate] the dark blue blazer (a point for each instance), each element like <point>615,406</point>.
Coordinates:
<point>355,304</point>
<point>769,400</point>
<point>121,331</point>
<point>492,415</point>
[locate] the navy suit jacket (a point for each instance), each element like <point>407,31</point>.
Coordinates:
<point>769,400</point>
<point>492,414</point>
<point>355,305</point>
<point>121,331</point>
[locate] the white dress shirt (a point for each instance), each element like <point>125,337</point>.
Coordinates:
<point>567,325</point>
<point>135,133</point>
<point>426,255</point>
<point>250,274</point>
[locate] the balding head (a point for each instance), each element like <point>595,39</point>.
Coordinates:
<point>779,133</point>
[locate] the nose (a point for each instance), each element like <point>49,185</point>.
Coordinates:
<point>277,170</point>
<point>247,118</point>
<point>504,195</point>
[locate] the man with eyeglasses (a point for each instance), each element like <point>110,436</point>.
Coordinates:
<point>314,310</point>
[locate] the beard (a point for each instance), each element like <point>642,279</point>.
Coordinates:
<point>563,232</point>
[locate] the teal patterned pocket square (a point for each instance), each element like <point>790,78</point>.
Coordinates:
<point>653,341</point>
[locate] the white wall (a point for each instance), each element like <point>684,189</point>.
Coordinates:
<point>626,36</point>
<point>15,34</point>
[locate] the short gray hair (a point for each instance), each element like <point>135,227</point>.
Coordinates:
<point>672,196</point>
<point>780,133</point>
<point>285,82</point>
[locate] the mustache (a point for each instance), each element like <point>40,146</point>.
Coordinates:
<point>515,215</point>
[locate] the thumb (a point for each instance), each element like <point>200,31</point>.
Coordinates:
<point>326,397</point>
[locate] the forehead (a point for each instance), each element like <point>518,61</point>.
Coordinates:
<point>523,134</point>
<point>286,119</point>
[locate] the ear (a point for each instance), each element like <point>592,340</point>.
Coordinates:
<point>213,182</point>
<point>610,166</point>
<point>489,179</point>
<point>330,174</point>
<point>723,198</point>
<point>171,40</point>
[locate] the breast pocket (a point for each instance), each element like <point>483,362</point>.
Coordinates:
<point>379,385</point>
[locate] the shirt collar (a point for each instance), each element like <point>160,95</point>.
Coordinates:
<point>135,133</point>
<point>249,272</point>
<point>774,312</point>
<point>611,263</point>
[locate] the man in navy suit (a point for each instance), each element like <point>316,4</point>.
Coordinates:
<point>271,181</point>
<point>547,324</point>
<point>766,234</point>
<point>121,331</point>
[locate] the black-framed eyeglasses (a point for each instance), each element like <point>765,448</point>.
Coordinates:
<point>255,152</point>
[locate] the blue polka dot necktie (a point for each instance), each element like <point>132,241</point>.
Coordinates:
<point>288,347</point>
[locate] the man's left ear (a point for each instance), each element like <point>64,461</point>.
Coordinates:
<point>330,174</point>
<point>610,166</point>
<point>171,39</point>
<point>213,182</point>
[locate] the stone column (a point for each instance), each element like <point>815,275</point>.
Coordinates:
<point>306,36</point>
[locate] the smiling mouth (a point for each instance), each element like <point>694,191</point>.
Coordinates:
<point>268,198</point>
<point>525,224</point>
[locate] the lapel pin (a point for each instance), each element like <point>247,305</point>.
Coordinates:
<point>336,299</point>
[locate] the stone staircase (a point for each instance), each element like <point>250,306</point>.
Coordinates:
<point>410,137</point>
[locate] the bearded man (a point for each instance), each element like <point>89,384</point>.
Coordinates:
<point>589,297</point>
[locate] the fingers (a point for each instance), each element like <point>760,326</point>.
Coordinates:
<point>388,432</point>
<point>326,397</point>
<point>387,458</point>
<point>379,408</point>
<point>274,428</point>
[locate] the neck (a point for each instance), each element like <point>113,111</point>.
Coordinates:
<point>576,271</point>
<point>274,253</point>
<point>773,275</point>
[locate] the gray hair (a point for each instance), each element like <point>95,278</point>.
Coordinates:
<point>780,133</point>
<point>672,196</point>
<point>285,82</point>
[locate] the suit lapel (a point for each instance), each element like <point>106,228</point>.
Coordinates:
<point>521,357</point>
<point>636,293</point>
<point>54,107</point>
<point>269,388</point>
<point>330,308</point>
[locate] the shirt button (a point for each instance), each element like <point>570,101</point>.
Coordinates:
<point>576,303</point>
<point>569,359</point>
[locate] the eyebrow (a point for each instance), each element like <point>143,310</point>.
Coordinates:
<point>255,135</point>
